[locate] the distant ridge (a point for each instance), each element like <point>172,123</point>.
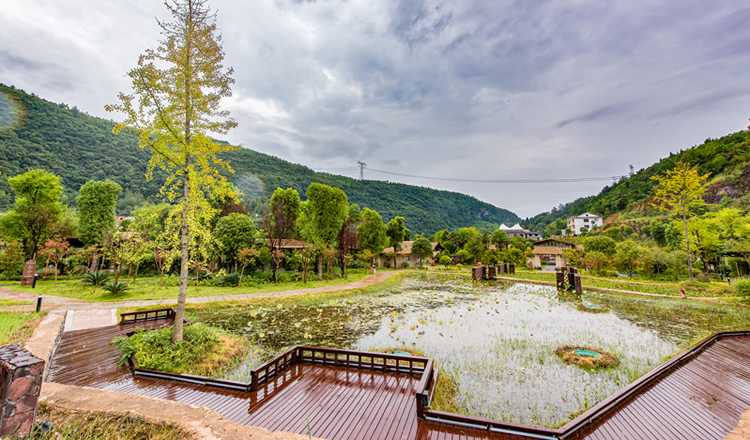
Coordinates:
<point>35,133</point>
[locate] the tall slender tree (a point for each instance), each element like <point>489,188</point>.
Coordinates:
<point>96,212</point>
<point>175,105</point>
<point>680,191</point>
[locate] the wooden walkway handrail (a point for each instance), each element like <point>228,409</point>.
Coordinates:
<point>261,374</point>
<point>147,315</point>
<point>363,359</point>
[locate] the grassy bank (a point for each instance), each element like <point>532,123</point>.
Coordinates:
<point>694,288</point>
<point>148,289</point>
<point>17,327</point>
<point>80,425</point>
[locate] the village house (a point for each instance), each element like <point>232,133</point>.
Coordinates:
<point>518,231</point>
<point>404,256</point>
<point>550,251</point>
<point>586,220</point>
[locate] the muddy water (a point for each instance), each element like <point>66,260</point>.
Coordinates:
<point>497,339</point>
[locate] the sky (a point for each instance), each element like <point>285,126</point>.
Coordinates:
<point>470,89</point>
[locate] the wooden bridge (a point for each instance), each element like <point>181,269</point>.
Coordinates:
<point>344,394</point>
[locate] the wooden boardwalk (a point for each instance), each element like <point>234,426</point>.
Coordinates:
<point>698,395</point>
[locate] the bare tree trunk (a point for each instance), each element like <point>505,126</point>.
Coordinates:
<point>135,276</point>
<point>320,267</point>
<point>687,243</point>
<point>182,295</point>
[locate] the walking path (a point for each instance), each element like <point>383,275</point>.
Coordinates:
<point>83,315</point>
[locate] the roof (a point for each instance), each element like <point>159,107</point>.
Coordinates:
<point>405,248</point>
<point>515,227</point>
<point>586,215</point>
<point>547,250</point>
<point>554,242</point>
<point>287,243</point>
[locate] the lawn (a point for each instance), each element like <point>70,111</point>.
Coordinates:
<point>148,289</point>
<point>13,302</point>
<point>17,327</point>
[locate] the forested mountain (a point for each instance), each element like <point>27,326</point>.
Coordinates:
<point>726,159</point>
<point>35,133</point>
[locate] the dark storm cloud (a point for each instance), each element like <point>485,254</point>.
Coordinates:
<point>477,88</point>
<point>600,113</point>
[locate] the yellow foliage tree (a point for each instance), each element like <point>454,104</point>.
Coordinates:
<point>175,105</point>
<point>681,190</point>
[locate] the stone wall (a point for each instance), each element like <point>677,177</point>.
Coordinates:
<point>21,376</point>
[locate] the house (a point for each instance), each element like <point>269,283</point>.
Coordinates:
<point>404,256</point>
<point>586,220</point>
<point>547,252</point>
<point>517,231</point>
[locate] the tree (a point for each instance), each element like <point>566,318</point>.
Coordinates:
<point>595,259</point>
<point>246,257</point>
<point>325,211</point>
<point>396,233</point>
<point>627,255</point>
<point>600,243</point>
<point>11,260</point>
<point>681,190</point>
<point>371,232</point>
<point>422,248</point>
<point>234,232</point>
<point>347,238</point>
<point>54,250</point>
<point>96,211</point>
<point>175,105</point>
<point>500,239</point>
<point>36,210</point>
<point>280,221</point>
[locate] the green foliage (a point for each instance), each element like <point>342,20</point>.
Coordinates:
<point>11,260</point>
<point>600,243</point>
<point>234,232</point>
<point>395,230</point>
<point>154,349</point>
<point>116,288</point>
<point>422,248</point>
<point>36,211</point>
<point>445,260</point>
<point>97,278</point>
<point>742,288</point>
<point>96,209</point>
<point>326,210</point>
<point>371,231</point>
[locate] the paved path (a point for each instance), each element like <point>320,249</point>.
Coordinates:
<point>83,315</point>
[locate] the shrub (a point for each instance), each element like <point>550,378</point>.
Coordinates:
<point>742,288</point>
<point>97,278</point>
<point>702,277</point>
<point>445,260</point>
<point>405,265</point>
<point>154,349</point>
<point>387,264</point>
<point>230,280</point>
<point>116,288</point>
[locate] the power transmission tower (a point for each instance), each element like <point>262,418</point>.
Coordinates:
<point>632,171</point>
<point>362,166</point>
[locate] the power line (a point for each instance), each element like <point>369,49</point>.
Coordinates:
<point>560,180</point>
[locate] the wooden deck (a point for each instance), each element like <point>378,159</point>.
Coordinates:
<point>698,395</point>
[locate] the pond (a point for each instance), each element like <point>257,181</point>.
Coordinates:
<point>497,339</point>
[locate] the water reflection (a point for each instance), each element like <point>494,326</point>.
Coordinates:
<point>498,339</point>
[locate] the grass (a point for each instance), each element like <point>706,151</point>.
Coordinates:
<point>694,288</point>
<point>148,289</point>
<point>69,424</point>
<point>17,327</point>
<point>299,300</point>
<point>204,351</point>
<point>13,302</point>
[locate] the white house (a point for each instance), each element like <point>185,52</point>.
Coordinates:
<point>517,230</point>
<point>586,220</point>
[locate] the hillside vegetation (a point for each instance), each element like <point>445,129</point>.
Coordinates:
<point>35,133</point>
<point>726,159</point>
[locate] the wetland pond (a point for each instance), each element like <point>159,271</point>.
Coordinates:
<point>497,339</point>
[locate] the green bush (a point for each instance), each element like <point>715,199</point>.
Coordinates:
<point>229,280</point>
<point>154,349</point>
<point>405,265</point>
<point>97,278</point>
<point>742,288</point>
<point>445,260</point>
<point>116,288</point>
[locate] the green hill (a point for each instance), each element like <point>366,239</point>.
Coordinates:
<point>727,159</point>
<point>35,133</point>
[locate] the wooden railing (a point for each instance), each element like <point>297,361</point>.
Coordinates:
<point>147,315</point>
<point>272,368</point>
<point>362,359</point>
